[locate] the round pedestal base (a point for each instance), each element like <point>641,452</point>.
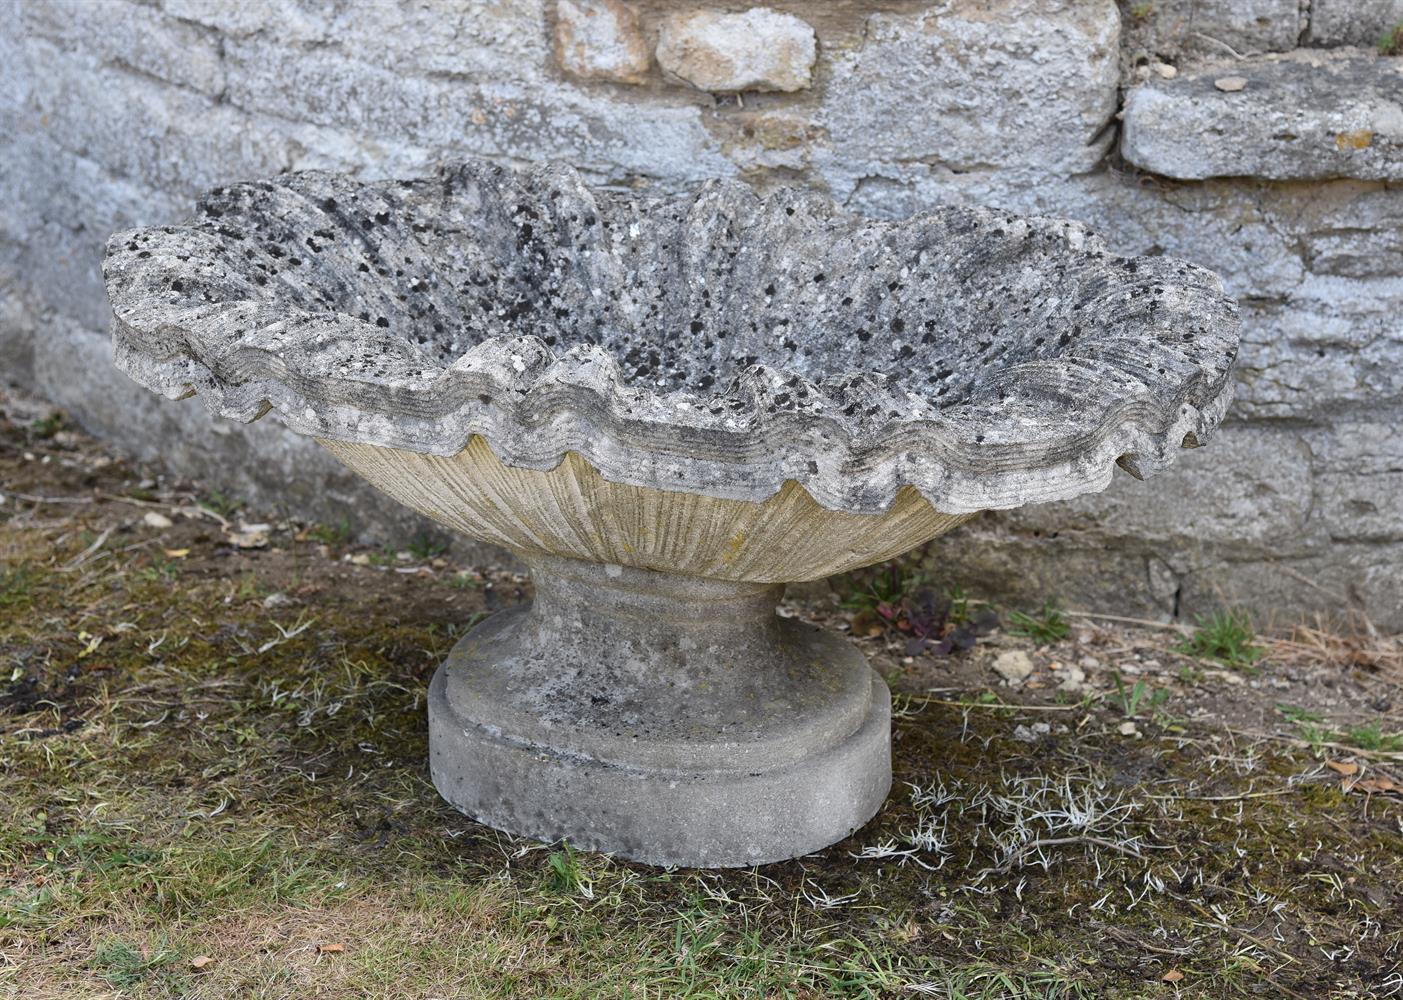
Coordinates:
<point>670,720</point>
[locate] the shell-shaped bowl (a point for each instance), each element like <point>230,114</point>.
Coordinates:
<point>722,384</point>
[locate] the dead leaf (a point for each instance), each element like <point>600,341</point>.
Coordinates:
<point>176,553</point>
<point>200,962</point>
<point>1375,786</point>
<point>1172,976</point>
<point>331,949</point>
<point>1345,767</point>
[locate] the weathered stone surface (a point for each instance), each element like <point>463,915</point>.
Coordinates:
<point>760,49</point>
<point>390,89</point>
<point>1211,27</point>
<point>632,328</point>
<point>295,21</point>
<point>976,85</point>
<point>1304,115</point>
<point>572,511</point>
<point>600,40</point>
<point>534,120</point>
<point>1352,22</point>
<point>612,713</point>
<point>16,337</point>
<point>138,35</point>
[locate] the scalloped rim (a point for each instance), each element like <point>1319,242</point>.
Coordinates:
<point>543,405</point>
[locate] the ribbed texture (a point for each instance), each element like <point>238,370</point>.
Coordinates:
<point>573,511</point>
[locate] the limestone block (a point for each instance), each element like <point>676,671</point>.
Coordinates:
<point>17,325</point>
<point>1352,22</point>
<point>502,40</point>
<point>1306,115</point>
<point>1360,495</point>
<point>169,137</point>
<point>296,21</point>
<point>1334,346</point>
<point>133,34</point>
<point>978,86</point>
<point>607,138</point>
<point>1171,27</point>
<point>760,49</point>
<point>600,40</point>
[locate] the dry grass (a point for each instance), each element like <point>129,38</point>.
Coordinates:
<point>213,752</point>
<point>1361,647</point>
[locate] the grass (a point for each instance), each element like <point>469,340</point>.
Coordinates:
<point>219,503</point>
<point>47,427</point>
<point>1044,627</point>
<point>331,534</point>
<point>1226,637</point>
<point>1139,695</point>
<point>1368,736</point>
<point>1371,736</point>
<point>186,773</point>
<point>423,547</point>
<point>567,876</point>
<point>1391,41</point>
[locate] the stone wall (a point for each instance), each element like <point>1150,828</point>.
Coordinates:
<point>1262,138</point>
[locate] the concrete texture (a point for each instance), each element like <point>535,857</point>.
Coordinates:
<point>717,343</point>
<point>103,134</point>
<point>670,720</point>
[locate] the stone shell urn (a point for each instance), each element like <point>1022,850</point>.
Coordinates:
<point>669,408</point>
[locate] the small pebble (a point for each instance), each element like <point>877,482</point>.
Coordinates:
<point>1230,84</point>
<point>154,520</point>
<point>1013,666</point>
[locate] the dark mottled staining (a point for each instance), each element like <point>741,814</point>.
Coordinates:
<point>693,293</point>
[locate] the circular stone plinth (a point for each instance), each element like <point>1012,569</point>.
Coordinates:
<point>669,720</point>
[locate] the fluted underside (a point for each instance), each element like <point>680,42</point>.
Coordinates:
<point>573,511</point>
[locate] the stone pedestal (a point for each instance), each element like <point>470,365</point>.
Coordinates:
<point>668,719</point>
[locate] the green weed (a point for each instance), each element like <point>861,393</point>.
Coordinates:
<point>1224,636</point>
<point>218,503</point>
<point>331,534</point>
<point>1044,627</point>
<point>565,874</point>
<point>424,547</point>
<point>1391,41</point>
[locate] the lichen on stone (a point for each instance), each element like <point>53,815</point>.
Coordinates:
<point>720,342</point>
